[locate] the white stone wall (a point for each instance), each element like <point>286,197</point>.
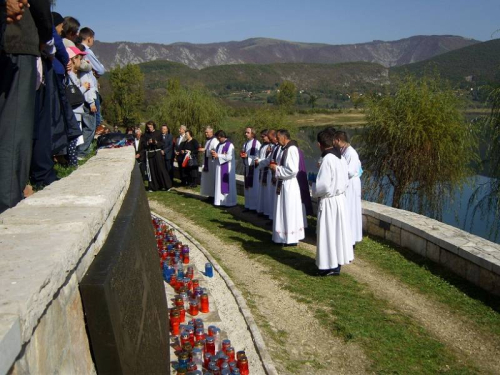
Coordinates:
<point>48,241</point>
<point>473,258</point>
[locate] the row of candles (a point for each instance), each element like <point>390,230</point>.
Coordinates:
<point>205,352</point>
<point>199,352</point>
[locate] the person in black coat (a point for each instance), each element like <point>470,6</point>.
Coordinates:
<point>28,29</point>
<point>155,165</point>
<point>168,150</point>
<point>191,146</point>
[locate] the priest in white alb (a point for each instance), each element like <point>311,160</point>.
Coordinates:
<point>269,175</point>
<point>225,172</point>
<point>209,163</point>
<point>334,243</point>
<point>289,216</point>
<point>353,193</point>
<point>248,154</point>
<point>264,174</point>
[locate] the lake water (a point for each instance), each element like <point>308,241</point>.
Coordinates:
<point>457,211</point>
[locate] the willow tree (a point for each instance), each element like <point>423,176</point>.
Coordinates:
<point>486,197</point>
<point>194,107</point>
<point>126,103</point>
<point>287,95</point>
<point>417,147</point>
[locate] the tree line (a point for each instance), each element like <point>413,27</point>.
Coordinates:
<point>417,148</point>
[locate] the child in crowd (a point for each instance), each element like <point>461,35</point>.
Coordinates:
<point>74,78</point>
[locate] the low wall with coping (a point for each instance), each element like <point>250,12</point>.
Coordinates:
<point>48,242</point>
<point>473,258</point>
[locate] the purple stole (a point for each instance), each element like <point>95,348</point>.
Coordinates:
<point>251,168</point>
<point>224,169</point>
<point>275,154</point>
<point>205,164</point>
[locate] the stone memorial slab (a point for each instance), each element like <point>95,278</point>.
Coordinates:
<point>123,294</point>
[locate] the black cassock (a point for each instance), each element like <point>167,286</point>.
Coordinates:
<point>155,164</point>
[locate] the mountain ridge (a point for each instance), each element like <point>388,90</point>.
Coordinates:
<point>268,51</point>
<point>478,64</point>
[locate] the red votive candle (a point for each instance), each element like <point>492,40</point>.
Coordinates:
<point>210,345</point>
<point>243,366</point>
<point>230,354</point>
<point>193,308</point>
<point>199,334</point>
<point>204,303</point>
<point>184,337</point>
<point>175,323</point>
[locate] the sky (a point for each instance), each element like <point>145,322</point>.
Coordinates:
<point>313,21</point>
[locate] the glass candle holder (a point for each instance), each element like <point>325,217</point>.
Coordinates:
<point>209,271</point>
<point>205,308</point>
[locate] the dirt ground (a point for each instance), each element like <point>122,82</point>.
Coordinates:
<point>286,324</point>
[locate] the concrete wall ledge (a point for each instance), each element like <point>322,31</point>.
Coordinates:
<point>47,243</point>
<point>472,257</point>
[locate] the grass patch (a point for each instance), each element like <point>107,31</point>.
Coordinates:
<point>64,171</point>
<point>434,281</point>
<point>392,340</point>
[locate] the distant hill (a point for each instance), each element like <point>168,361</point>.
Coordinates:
<point>227,78</point>
<point>269,51</point>
<point>479,63</point>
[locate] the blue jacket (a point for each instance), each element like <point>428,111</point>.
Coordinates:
<point>62,57</point>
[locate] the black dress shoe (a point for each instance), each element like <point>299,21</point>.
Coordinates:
<point>322,272</point>
<point>246,210</point>
<point>289,244</point>
<point>329,272</point>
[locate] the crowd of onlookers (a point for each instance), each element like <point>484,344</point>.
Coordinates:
<point>49,95</point>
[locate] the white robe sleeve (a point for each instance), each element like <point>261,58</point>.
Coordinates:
<point>323,181</point>
<point>291,167</point>
<point>265,162</point>
<point>353,163</point>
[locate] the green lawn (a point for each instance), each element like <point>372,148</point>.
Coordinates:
<point>434,281</point>
<point>393,341</point>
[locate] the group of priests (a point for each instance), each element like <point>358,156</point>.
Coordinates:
<point>276,186</point>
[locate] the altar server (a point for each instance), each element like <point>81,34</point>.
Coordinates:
<point>225,172</point>
<point>353,193</point>
<point>334,243</point>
